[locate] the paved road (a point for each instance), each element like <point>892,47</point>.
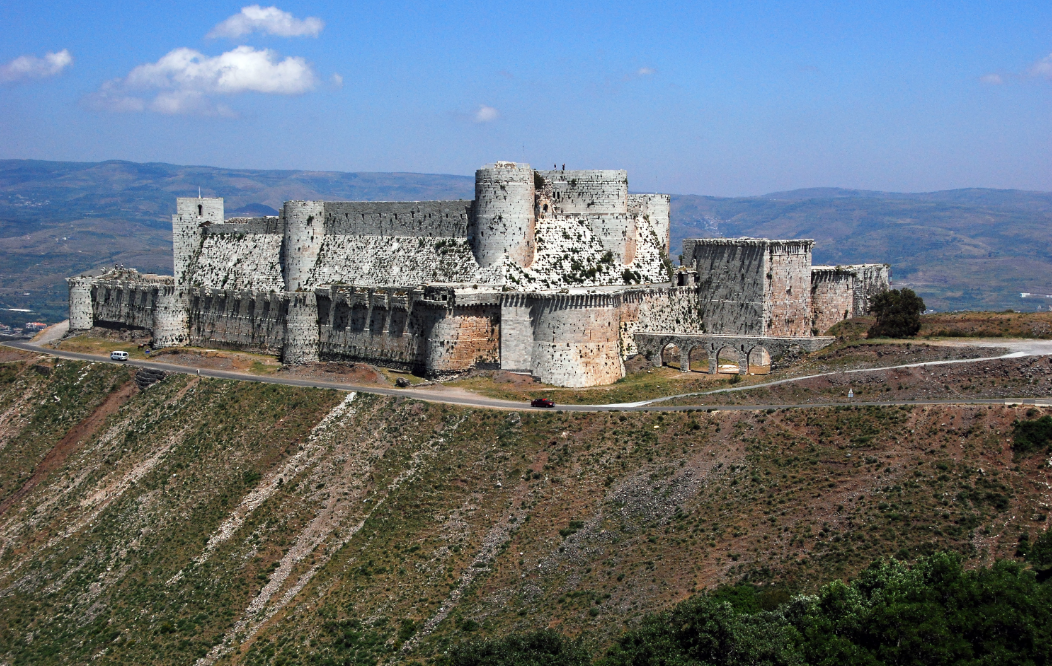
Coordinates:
<point>493,403</point>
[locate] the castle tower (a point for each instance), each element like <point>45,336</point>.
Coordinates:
<point>504,220</point>
<point>191,214</point>
<point>81,315</point>
<point>304,233</point>
<point>171,326</point>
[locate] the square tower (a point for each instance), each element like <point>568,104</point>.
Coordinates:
<point>191,214</point>
<point>752,286</point>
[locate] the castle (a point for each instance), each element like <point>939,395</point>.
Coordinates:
<point>559,274</point>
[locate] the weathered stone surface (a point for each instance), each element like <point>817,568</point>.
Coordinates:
<point>841,292</point>
<point>561,274</point>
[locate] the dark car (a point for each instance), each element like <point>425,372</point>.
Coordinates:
<point>541,402</point>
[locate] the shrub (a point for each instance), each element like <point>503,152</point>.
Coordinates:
<point>1031,436</point>
<point>540,648</point>
<point>898,314</point>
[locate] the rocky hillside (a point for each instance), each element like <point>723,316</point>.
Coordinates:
<point>225,522</point>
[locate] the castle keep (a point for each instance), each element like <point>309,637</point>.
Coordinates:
<point>560,274</point>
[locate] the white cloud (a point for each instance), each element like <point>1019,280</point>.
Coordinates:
<point>337,81</point>
<point>268,20</point>
<point>486,114</point>
<point>28,67</point>
<point>1042,68</point>
<point>644,71</point>
<point>183,81</point>
<point>991,79</point>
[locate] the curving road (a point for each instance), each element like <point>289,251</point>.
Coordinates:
<point>1026,348</point>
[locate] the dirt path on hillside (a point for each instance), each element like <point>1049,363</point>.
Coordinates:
<point>73,440</point>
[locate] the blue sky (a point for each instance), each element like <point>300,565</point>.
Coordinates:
<point>721,98</point>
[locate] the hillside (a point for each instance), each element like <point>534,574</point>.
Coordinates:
<point>257,524</point>
<point>960,249</point>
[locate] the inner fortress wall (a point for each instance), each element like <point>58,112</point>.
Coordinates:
<point>654,208</point>
<point>588,192</point>
<point>228,259</point>
<point>787,296</point>
<point>410,219</point>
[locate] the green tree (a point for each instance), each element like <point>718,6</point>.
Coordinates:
<point>898,314</point>
<point>540,648</point>
<point>1031,436</point>
<point>1040,555</point>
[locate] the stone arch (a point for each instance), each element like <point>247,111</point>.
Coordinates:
<point>670,355</point>
<point>727,360</point>
<point>759,360</point>
<point>698,357</point>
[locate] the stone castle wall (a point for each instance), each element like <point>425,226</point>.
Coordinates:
<point>842,292</point>
<point>249,320</point>
<point>409,219</point>
<point>787,297</point>
<point>731,284</point>
<point>555,273</point>
<point>832,297</point>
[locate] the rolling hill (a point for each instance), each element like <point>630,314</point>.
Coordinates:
<point>960,249</point>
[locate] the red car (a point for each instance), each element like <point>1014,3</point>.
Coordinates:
<point>541,402</point>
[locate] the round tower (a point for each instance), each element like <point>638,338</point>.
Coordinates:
<point>170,317</point>
<point>304,232</point>
<point>81,315</point>
<point>504,220</point>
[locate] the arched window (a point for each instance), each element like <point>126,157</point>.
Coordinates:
<point>200,210</point>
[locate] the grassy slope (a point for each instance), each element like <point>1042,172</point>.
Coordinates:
<point>204,509</point>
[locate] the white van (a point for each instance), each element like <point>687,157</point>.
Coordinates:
<point>118,356</point>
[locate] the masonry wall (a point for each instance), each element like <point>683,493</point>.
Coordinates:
<point>870,280</point>
<point>655,209</point>
<point>832,297</point>
<point>589,192</point>
<point>788,289</point>
<point>236,319</point>
<point>81,314</point>
<point>660,309</point>
<point>411,219</point>
<point>731,284</point>
<point>403,261</point>
<point>119,304</point>
<point>230,259</point>
<point>516,333</point>
<point>464,337</point>
<point>576,339</point>
<point>375,326</point>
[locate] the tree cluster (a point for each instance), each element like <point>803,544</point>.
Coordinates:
<point>933,613</point>
<point>898,314</point>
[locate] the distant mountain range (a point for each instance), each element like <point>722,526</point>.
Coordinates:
<point>960,249</point>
